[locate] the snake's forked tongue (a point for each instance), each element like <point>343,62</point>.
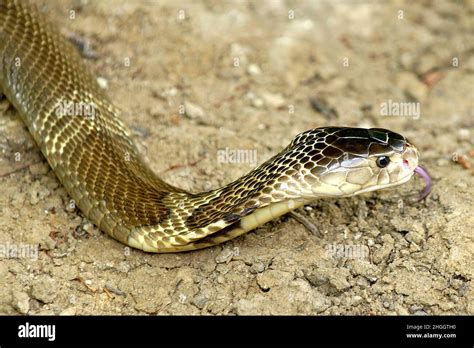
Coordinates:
<point>428,182</point>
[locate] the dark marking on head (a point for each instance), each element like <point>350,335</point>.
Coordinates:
<point>396,141</point>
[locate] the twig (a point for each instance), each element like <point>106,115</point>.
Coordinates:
<point>306,223</point>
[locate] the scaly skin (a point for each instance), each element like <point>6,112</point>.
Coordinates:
<point>95,158</point>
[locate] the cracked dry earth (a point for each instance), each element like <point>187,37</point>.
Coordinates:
<point>245,73</point>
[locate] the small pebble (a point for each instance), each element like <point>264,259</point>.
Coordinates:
<point>356,300</point>
<point>414,237</point>
<point>21,302</point>
<point>274,100</point>
<point>89,228</point>
<point>257,102</point>
<point>192,110</point>
<point>39,169</point>
<point>170,92</point>
<point>37,192</point>
<point>225,256</point>
<point>103,83</point>
<point>114,290</point>
<point>464,134</point>
<point>257,267</point>
<point>200,300</point>
<point>254,70</point>
<point>69,311</point>
<point>44,290</point>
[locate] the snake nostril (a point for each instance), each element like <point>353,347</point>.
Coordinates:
<point>406,164</point>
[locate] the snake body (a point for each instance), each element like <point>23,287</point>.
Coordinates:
<point>96,160</point>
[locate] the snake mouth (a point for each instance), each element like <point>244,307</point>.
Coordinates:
<point>410,163</point>
<point>384,186</point>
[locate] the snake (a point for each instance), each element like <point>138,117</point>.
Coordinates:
<point>81,134</point>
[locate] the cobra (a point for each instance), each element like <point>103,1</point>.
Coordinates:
<point>98,163</point>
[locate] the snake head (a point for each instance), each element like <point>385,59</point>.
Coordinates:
<point>343,161</point>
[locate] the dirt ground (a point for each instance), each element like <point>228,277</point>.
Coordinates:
<point>195,78</point>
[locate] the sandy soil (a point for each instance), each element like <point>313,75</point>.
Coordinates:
<point>245,73</point>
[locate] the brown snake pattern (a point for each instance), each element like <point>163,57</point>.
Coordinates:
<point>96,160</point>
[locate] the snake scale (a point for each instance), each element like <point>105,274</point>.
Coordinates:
<point>95,158</point>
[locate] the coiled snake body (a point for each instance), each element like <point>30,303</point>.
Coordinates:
<point>96,160</point>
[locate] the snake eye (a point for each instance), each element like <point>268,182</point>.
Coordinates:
<point>383,161</point>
